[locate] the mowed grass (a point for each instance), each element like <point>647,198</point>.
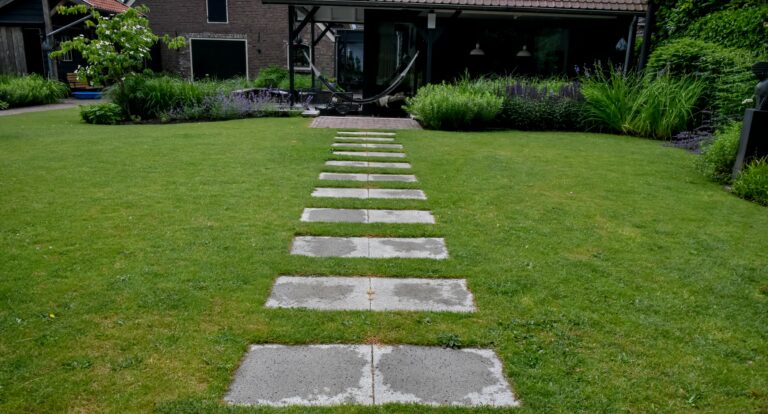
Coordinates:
<point>135,262</point>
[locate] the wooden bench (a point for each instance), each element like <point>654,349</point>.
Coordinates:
<point>75,83</point>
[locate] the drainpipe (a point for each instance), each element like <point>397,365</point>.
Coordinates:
<point>630,44</point>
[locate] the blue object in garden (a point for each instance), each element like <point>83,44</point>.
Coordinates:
<point>86,95</point>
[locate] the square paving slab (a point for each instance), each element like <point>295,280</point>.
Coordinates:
<point>355,145</point>
<point>377,294</point>
<point>365,134</point>
<point>364,193</point>
<point>326,293</point>
<point>438,376</point>
<point>338,215</point>
<point>401,178</point>
<point>358,139</point>
<point>370,154</point>
<point>314,375</point>
<point>373,247</point>
<point>367,164</point>
<point>279,375</point>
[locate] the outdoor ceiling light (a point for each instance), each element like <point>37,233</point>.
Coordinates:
<point>431,20</point>
<point>524,52</point>
<point>477,51</point>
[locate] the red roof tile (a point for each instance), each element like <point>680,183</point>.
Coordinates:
<point>112,6</point>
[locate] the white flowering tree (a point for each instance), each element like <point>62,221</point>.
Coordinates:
<point>121,44</point>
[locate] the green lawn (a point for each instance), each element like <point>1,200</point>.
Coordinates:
<point>135,260</point>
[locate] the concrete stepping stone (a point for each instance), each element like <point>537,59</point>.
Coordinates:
<point>376,294</point>
<point>367,164</point>
<point>278,375</point>
<point>436,295</point>
<point>402,178</point>
<point>325,293</point>
<point>358,139</point>
<point>355,145</point>
<point>365,193</point>
<point>365,134</point>
<point>370,154</point>
<point>373,247</point>
<point>337,215</point>
<point>327,375</point>
<point>438,376</point>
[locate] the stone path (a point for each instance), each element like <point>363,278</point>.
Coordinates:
<point>312,375</point>
<point>375,294</point>
<point>319,375</point>
<point>339,215</point>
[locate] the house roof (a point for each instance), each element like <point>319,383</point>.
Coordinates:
<point>112,6</point>
<point>600,6</point>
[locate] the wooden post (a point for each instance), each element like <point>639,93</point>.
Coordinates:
<point>312,49</point>
<point>430,33</point>
<point>48,42</point>
<point>291,79</point>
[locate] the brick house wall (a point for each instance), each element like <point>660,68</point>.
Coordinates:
<point>264,27</point>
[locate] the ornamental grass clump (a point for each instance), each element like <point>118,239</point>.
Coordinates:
<point>26,90</point>
<point>461,106</point>
<point>653,107</point>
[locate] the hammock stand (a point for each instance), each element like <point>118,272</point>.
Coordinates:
<point>342,96</point>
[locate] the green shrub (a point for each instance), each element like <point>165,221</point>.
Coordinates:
<point>464,105</point>
<point>549,104</point>
<point>103,114</point>
<point>150,96</point>
<point>653,107</point>
<point>30,90</point>
<point>717,159</point>
<point>752,183</point>
<point>725,72</point>
<point>739,28</point>
<point>3,105</point>
<point>271,77</point>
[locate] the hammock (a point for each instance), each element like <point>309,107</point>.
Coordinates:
<point>398,80</point>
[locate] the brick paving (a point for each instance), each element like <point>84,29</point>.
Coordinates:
<point>362,122</point>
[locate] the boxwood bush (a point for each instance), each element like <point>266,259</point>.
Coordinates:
<point>725,72</point>
<point>26,90</point>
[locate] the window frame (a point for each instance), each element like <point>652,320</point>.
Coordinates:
<point>208,13</point>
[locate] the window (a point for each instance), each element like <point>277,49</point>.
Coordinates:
<point>217,11</point>
<point>218,58</point>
